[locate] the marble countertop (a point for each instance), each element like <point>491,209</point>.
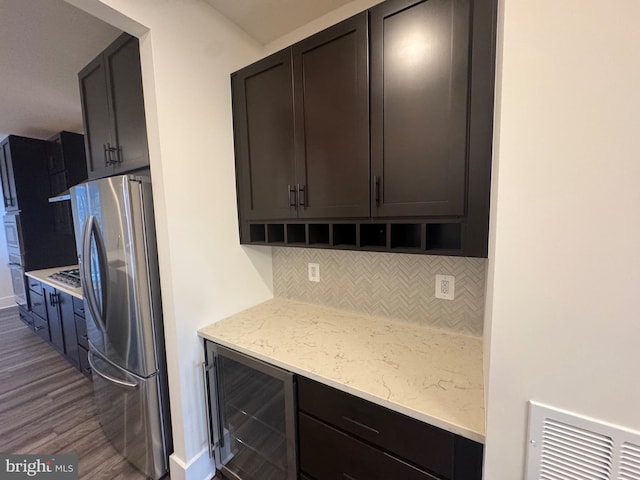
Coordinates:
<point>43,276</point>
<point>428,374</point>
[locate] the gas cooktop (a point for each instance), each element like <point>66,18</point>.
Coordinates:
<point>70,278</point>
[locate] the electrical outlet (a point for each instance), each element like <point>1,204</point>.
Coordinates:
<point>314,272</point>
<point>445,287</point>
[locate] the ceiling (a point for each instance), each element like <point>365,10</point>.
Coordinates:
<point>43,46</point>
<point>267,20</point>
<point>45,43</point>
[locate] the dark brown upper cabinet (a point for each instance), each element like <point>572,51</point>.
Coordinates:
<point>113,110</point>
<point>419,101</point>
<point>301,122</point>
<point>331,88</point>
<point>67,161</point>
<point>264,137</point>
<point>374,134</point>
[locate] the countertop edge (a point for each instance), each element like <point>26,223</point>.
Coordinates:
<point>43,276</point>
<point>421,416</point>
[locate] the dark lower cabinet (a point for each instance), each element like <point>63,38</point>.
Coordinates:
<point>81,335</point>
<point>328,453</point>
<point>25,316</point>
<point>58,318</point>
<point>65,304</point>
<point>339,436</point>
<point>342,436</point>
<point>52,302</point>
<point>41,327</point>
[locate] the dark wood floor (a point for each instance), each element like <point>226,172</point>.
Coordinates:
<point>46,406</point>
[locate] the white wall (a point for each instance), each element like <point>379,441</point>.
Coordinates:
<point>187,52</point>
<point>331,18</point>
<point>187,57</point>
<point>564,309</point>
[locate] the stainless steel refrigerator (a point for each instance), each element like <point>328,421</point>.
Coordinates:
<point>115,237</point>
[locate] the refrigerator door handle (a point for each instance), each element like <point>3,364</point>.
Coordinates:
<point>90,230</point>
<point>109,378</point>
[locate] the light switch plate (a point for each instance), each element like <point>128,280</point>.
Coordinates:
<point>445,287</point>
<point>314,272</point>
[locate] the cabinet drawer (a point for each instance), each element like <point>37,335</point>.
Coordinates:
<point>35,286</point>
<point>41,327</point>
<point>78,307</point>
<point>81,332</point>
<point>26,317</point>
<point>327,453</point>
<point>37,304</point>
<point>424,445</point>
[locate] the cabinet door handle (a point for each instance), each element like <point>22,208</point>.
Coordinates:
<point>291,192</point>
<point>376,189</point>
<point>302,200</point>
<point>108,154</point>
<point>118,154</point>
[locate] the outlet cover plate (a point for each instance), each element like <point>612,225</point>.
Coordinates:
<point>445,287</point>
<point>314,272</point>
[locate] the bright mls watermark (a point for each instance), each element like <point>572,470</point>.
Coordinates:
<point>51,467</point>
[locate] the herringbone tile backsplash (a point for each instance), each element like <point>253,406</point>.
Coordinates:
<point>392,285</point>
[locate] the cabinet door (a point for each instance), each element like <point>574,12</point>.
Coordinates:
<point>8,180</point>
<point>332,121</point>
<point>263,125</point>
<point>51,298</point>
<point>419,98</point>
<point>54,155</point>
<point>65,303</point>
<point>124,83</point>
<point>95,113</point>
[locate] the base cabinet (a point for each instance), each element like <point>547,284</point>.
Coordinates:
<point>327,453</point>
<point>342,436</point>
<point>58,318</point>
<point>81,335</point>
<point>338,435</point>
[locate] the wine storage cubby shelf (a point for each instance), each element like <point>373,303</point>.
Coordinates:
<point>425,238</point>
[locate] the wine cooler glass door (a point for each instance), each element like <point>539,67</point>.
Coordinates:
<point>256,418</point>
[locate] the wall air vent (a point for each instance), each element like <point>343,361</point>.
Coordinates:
<point>566,446</point>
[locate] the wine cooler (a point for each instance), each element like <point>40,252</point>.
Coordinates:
<point>251,422</point>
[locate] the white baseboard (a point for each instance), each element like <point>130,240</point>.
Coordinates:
<point>201,467</point>
<point>7,302</point>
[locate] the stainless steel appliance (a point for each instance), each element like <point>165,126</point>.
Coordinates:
<point>115,236</point>
<point>69,277</point>
<point>252,420</point>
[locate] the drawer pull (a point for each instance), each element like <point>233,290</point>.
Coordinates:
<point>362,425</point>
